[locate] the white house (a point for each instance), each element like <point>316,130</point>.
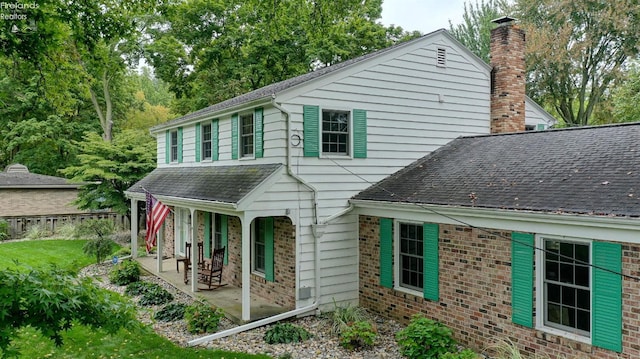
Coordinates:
<point>269,174</point>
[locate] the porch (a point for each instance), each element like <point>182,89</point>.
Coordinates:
<point>228,298</point>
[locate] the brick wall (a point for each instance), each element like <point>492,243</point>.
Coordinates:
<point>169,243</point>
<point>35,202</point>
<point>508,79</point>
<point>475,293</point>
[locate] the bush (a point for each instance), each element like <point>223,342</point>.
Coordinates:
<point>138,288</point>
<point>124,273</point>
<point>65,231</point>
<point>95,228</point>
<point>342,316</point>
<point>101,248</point>
<point>155,295</point>
<point>286,333</point>
<point>358,335</point>
<point>464,354</point>
<point>202,318</point>
<point>424,338</point>
<point>4,230</point>
<point>37,231</point>
<point>171,312</point>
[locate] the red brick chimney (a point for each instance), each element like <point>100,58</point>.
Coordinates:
<point>507,76</point>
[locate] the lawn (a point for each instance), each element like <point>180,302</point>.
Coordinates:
<point>80,341</point>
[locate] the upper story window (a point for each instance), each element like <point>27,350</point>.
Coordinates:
<point>206,141</point>
<point>246,135</point>
<point>174,146</point>
<point>335,132</point>
<point>567,286</point>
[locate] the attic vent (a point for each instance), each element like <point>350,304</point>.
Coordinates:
<point>16,168</point>
<point>441,57</point>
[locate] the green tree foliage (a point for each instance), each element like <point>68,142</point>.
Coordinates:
<point>209,51</point>
<point>98,232</point>
<point>475,30</point>
<point>51,301</point>
<point>110,168</point>
<point>576,50</point>
<point>626,97</point>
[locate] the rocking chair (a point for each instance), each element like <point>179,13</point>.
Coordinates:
<point>211,271</point>
<point>187,260</point>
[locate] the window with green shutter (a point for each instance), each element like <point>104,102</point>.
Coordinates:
<point>179,144</point>
<point>198,142</point>
<point>334,132</point>
<point>386,252</point>
<point>167,147</point>
<point>259,132</point>
<point>311,128</point>
<point>234,136</point>
<point>359,134</point>
<point>430,261</point>
<point>522,278</point>
<point>215,139</point>
<point>263,247</point>
<point>607,296</point>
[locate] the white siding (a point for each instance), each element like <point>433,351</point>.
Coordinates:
<point>534,115</point>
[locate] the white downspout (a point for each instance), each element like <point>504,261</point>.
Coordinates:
<point>294,312</point>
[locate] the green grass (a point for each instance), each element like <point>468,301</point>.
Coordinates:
<point>82,342</point>
<point>63,253</point>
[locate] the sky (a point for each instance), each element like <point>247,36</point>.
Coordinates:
<point>423,15</point>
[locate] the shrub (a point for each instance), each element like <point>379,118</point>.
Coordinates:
<point>342,316</point>
<point>464,354</point>
<point>424,338</point>
<point>65,231</point>
<point>101,248</point>
<point>138,288</point>
<point>95,228</point>
<point>37,231</point>
<point>202,318</point>
<point>171,312</point>
<point>4,230</point>
<point>124,273</point>
<point>155,295</point>
<point>358,335</point>
<point>286,333</point>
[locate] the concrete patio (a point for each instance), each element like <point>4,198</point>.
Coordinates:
<point>228,297</point>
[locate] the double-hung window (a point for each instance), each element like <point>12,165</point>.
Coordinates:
<point>335,132</point>
<point>246,135</point>
<point>206,141</point>
<point>411,256</point>
<point>567,286</point>
<point>174,146</point>
<point>217,231</point>
<point>259,245</point>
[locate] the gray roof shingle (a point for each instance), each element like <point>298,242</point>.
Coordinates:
<point>589,170</point>
<point>18,176</point>
<point>227,184</point>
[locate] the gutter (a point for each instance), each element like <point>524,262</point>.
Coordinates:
<point>292,313</point>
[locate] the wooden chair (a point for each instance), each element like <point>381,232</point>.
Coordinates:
<point>211,272</point>
<point>186,259</point>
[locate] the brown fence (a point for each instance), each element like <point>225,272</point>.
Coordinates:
<point>19,225</point>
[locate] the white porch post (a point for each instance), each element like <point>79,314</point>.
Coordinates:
<point>134,228</point>
<point>159,248</point>
<point>246,268</point>
<point>194,250</point>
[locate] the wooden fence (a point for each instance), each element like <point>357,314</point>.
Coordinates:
<point>19,225</point>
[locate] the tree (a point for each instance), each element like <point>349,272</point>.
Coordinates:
<point>110,168</point>
<point>626,97</point>
<point>51,300</point>
<point>475,30</point>
<point>576,50</point>
<point>209,51</point>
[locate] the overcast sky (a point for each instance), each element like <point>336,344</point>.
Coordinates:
<point>423,15</point>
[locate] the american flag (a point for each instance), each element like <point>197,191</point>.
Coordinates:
<point>156,213</point>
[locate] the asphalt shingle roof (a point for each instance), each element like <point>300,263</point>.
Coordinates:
<point>227,184</point>
<point>589,170</point>
<point>18,176</point>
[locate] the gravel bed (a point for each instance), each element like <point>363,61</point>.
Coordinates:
<point>322,345</point>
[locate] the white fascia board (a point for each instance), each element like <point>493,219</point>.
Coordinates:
<point>262,101</point>
<point>197,204</point>
<point>619,229</point>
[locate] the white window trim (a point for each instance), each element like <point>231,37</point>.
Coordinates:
<point>202,157</point>
<point>241,155</point>
<point>349,154</point>
<point>253,251</point>
<point>539,282</point>
<point>396,258</point>
<point>171,160</point>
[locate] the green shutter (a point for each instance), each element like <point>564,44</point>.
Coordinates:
<point>311,128</point>
<point>167,147</point>
<point>215,140</point>
<point>259,132</point>
<point>607,296</point>
<point>179,144</point>
<point>269,274</point>
<point>430,261</point>
<point>359,134</point>
<point>386,252</point>
<point>225,237</point>
<point>198,142</point>
<point>522,278</point>
<point>234,136</point>
<point>207,234</point>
